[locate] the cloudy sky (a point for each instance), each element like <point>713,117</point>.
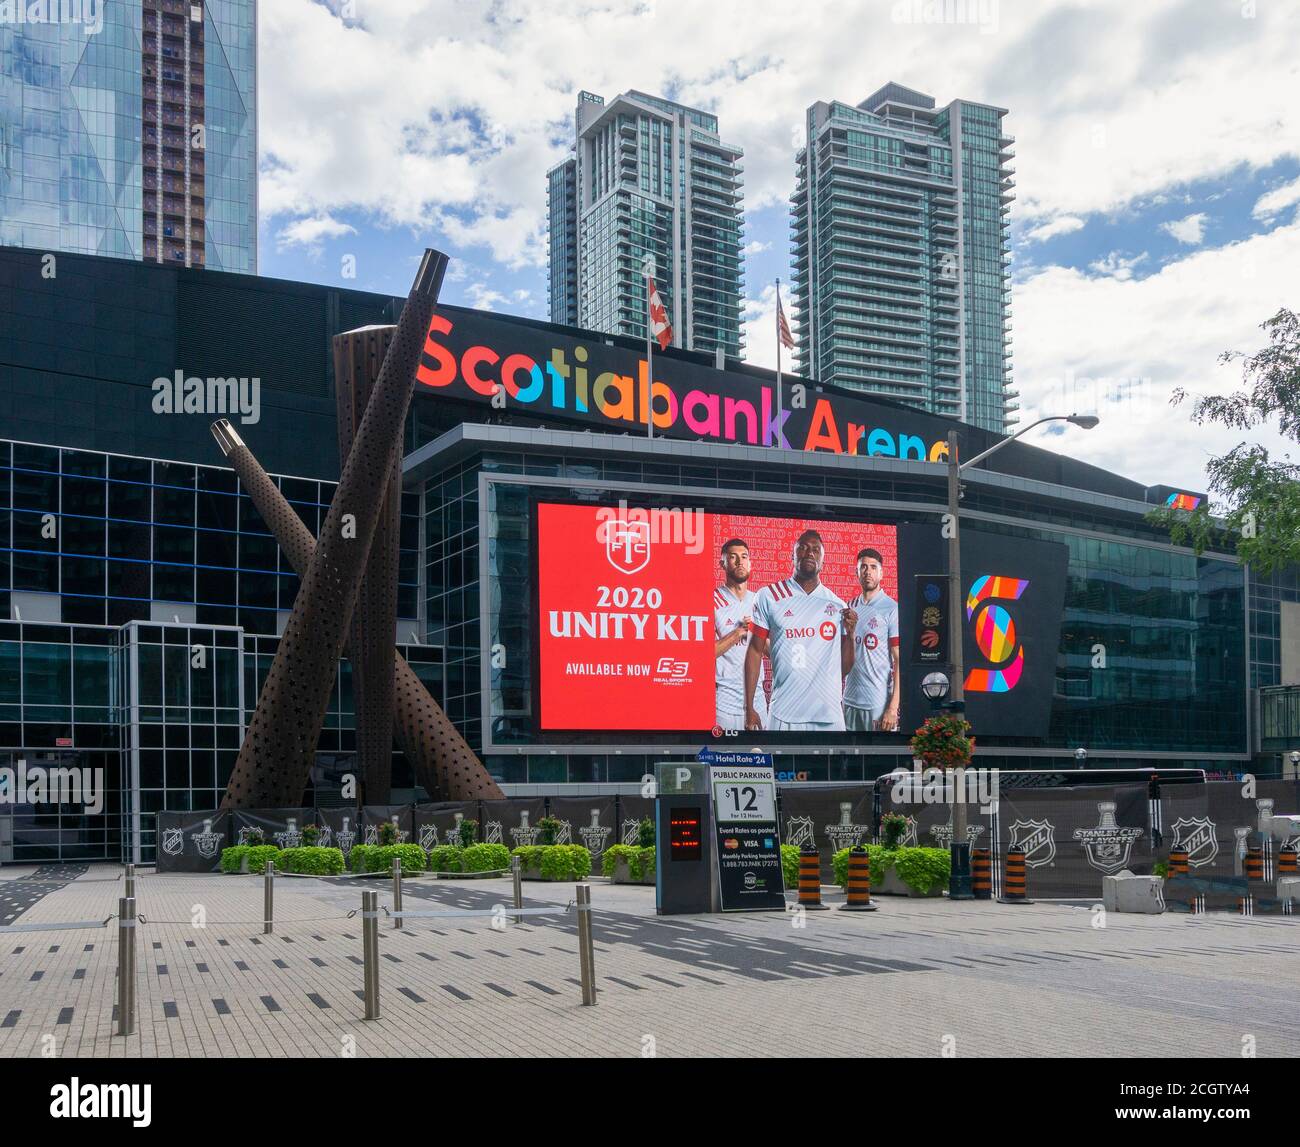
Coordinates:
<point>1157,219</point>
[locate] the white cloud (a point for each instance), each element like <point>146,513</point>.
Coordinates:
<point>311,232</point>
<point>484,298</point>
<point>1190,229</point>
<point>1273,203</point>
<point>753,247</point>
<point>1061,225</point>
<point>1089,342</point>
<point>1116,266</point>
<point>455,130</point>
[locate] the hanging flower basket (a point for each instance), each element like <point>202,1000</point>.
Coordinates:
<point>944,742</point>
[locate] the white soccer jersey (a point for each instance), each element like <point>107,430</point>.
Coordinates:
<point>803,631</point>
<point>867,685</point>
<point>729,676</point>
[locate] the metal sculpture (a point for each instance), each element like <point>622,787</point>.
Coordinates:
<point>275,760</point>
<point>358,358</point>
<point>440,757</point>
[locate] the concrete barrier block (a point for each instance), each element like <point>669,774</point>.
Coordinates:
<point>1125,892</point>
<point>1288,888</point>
<point>1284,827</point>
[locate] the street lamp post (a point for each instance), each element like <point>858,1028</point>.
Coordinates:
<point>959,885</point>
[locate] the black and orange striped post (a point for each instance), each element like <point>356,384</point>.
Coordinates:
<point>981,866</point>
<point>1178,865</point>
<point>858,884</point>
<point>1013,878</point>
<point>1286,863</point>
<point>810,880</point>
<point>1254,864</point>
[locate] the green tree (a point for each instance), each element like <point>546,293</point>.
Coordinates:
<point>1259,494</point>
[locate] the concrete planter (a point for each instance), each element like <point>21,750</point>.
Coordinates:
<point>623,874</point>
<point>893,885</point>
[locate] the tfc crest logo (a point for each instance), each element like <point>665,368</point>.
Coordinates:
<point>1107,846</point>
<point>1036,839</point>
<point>207,841</point>
<point>846,834</point>
<point>799,832</point>
<point>1197,835</point>
<point>627,545</point>
<point>173,841</point>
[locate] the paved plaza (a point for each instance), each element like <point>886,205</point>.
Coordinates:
<point>917,977</point>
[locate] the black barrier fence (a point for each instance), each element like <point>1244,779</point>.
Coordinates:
<point>1072,835</point>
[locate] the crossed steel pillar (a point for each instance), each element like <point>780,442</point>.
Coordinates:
<point>275,760</point>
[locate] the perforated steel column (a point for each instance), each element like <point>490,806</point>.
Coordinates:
<point>275,759</point>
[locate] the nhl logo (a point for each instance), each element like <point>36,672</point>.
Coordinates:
<point>207,841</point>
<point>1036,839</point>
<point>799,832</point>
<point>631,832</point>
<point>564,834</point>
<point>1196,834</point>
<point>428,836</point>
<point>173,841</point>
<point>1107,847</point>
<point>492,832</point>
<point>909,837</point>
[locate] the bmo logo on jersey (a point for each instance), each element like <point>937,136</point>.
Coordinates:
<point>828,630</point>
<point>627,545</point>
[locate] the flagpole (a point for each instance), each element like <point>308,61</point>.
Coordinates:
<point>780,394</point>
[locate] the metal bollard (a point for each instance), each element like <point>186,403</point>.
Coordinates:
<point>129,889</point>
<point>268,898</point>
<point>517,875</point>
<point>586,952</point>
<point>126,966</point>
<point>370,951</point>
<point>397,890</point>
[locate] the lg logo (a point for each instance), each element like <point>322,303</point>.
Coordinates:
<point>995,633</point>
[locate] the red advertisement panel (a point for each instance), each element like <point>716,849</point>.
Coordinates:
<point>628,609</point>
<point>626,636</point>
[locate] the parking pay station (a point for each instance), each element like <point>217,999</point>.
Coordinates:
<point>718,848</point>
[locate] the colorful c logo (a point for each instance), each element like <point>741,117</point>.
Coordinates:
<point>995,633</point>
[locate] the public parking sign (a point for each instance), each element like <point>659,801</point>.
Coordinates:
<point>746,838</point>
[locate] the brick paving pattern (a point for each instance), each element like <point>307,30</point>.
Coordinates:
<point>909,979</point>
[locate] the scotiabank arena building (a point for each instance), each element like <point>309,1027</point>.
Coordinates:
<point>560,588</point>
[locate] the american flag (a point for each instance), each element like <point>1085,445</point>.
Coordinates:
<point>782,326</point>
<point>659,327</point>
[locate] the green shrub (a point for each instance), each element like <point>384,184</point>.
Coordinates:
<point>921,869</point>
<point>259,854</point>
<point>310,835</point>
<point>467,830</point>
<point>640,861</point>
<point>359,857</point>
<point>555,861</point>
<point>310,859</point>
<point>893,827</point>
<point>1160,868</point>
<point>646,833</point>
<point>412,857</point>
<point>445,858</point>
<point>254,837</point>
<point>485,857</point>
<point>790,865</point>
<point>387,833</point>
<point>232,859</point>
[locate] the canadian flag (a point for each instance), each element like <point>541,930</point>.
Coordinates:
<point>658,316</point>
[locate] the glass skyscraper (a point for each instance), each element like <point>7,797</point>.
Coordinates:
<point>136,139</point>
<point>647,177</point>
<point>899,228</point>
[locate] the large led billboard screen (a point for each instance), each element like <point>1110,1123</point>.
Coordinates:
<point>648,619</point>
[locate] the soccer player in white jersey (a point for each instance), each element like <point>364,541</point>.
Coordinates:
<point>797,623</point>
<point>871,654</point>
<point>733,612</point>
